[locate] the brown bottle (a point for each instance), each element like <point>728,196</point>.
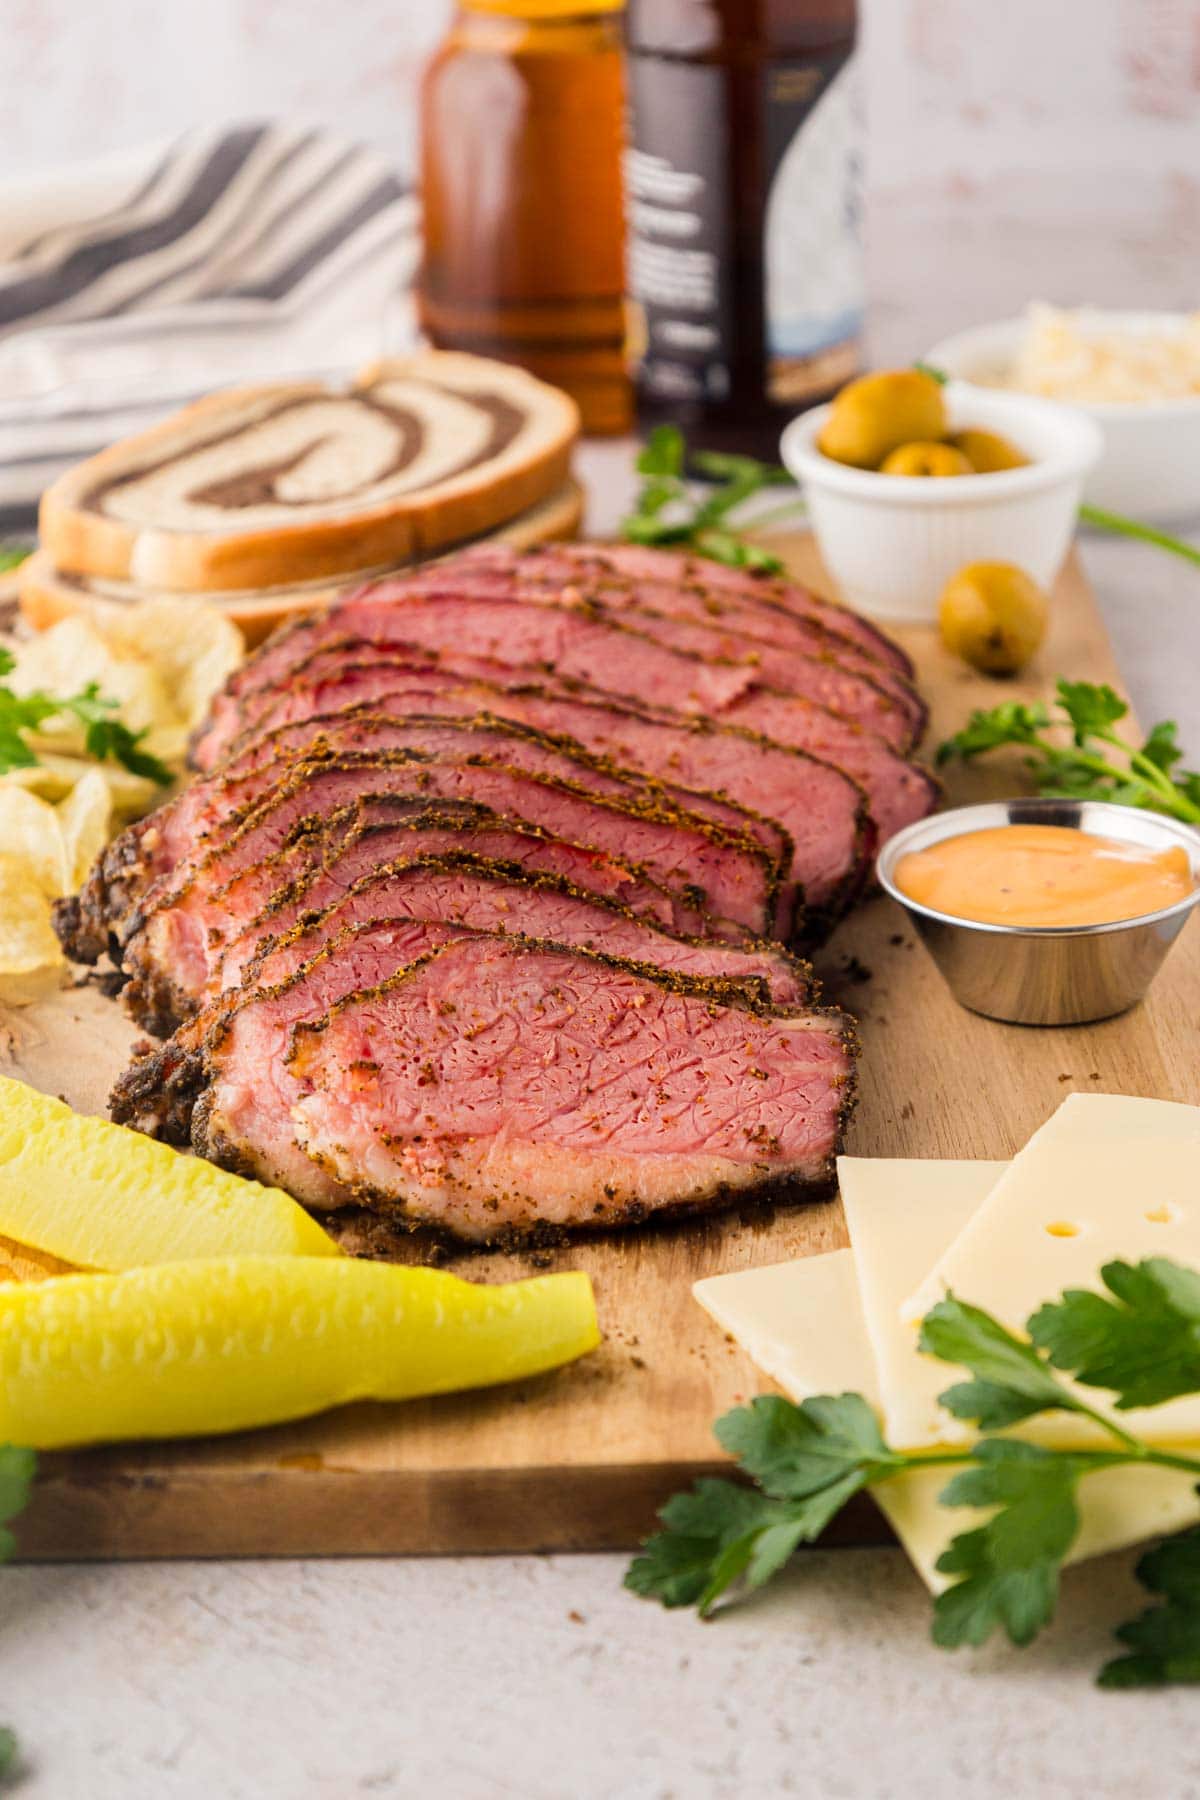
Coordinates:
<point>745,272</point>
<point>522,124</point>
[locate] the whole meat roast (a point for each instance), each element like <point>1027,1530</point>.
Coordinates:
<point>482,911</point>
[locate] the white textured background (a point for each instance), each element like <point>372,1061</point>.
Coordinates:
<point>1052,143</point>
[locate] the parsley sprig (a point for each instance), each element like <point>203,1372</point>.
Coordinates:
<point>668,513</point>
<point>1139,1342</point>
<point>105,738</point>
<point>1070,745</point>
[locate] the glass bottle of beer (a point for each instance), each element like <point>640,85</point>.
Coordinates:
<point>743,182</point>
<point>522,127</point>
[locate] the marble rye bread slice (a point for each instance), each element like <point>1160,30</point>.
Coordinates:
<point>260,486</point>
<point>48,593</point>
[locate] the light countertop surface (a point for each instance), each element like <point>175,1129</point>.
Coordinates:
<point>538,1677</point>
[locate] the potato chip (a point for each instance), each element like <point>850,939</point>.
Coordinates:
<point>31,958</point>
<point>71,654</point>
<point>84,818</point>
<point>54,776</point>
<point>194,648</point>
<point>161,662</point>
<point>31,839</point>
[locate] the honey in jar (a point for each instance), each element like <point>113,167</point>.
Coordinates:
<point>522,121</point>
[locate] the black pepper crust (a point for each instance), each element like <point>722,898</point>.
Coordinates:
<point>773,591</point>
<point>171,1093</point>
<point>157,1093</point>
<point>810,925</point>
<point>769,1185</point>
<point>245,817</point>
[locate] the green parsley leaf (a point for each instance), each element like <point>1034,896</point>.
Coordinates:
<point>1009,1567</point>
<point>1090,707</point>
<point>19,714</point>
<point>1085,768</point>
<point>1011,1380</point>
<point>1014,722</point>
<point>726,547</point>
<point>17,1470</point>
<point>105,737</point>
<point>649,528</point>
<point>8,1752</point>
<point>1164,1641</point>
<point>796,1451</point>
<point>933,372</point>
<point>1132,528</point>
<point>808,1461</point>
<point>1161,746</point>
<point>666,513</point>
<point>664,452</point>
<point>721,465</point>
<point>110,741</point>
<point>1143,1344</point>
<point>12,556</point>
<point>708,1539</point>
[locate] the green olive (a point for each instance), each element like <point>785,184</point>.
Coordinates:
<point>926,459</point>
<point>993,615</point>
<point>987,452</point>
<point>876,413</point>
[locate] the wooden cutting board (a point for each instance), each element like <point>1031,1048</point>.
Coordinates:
<point>580,1459</point>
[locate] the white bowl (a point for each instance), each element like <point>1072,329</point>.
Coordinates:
<point>1150,468</point>
<point>891,542</point>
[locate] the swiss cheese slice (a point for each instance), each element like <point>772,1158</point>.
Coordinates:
<point>902,1216</point>
<point>1109,1177</point>
<point>802,1323</point>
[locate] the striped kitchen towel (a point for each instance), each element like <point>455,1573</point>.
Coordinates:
<point>240,253</point>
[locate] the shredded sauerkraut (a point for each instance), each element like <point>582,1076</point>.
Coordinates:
<point>1080,355</point>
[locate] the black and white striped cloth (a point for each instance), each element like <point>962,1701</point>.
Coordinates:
<point>243,253</point>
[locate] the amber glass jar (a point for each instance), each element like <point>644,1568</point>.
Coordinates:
<point>745,272</point>
<point>522,124</point>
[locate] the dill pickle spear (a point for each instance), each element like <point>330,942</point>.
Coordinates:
<point>190,1349</point>
<point>102,1197</point>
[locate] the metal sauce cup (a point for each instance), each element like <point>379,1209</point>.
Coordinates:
<point>1047,975</point>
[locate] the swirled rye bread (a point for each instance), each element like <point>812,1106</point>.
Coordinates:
<point>264,486</point>
<point>48,593</point>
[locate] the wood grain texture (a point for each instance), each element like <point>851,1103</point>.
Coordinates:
<point>580,1459</point>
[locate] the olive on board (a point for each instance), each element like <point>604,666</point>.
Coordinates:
<point>993,615</point>
<point>987,452</point>
<point>876,413</point>
<point>925,459</point>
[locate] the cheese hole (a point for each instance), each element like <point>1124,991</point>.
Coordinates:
<point>1166,1214</point>
<point>1062,1228</point>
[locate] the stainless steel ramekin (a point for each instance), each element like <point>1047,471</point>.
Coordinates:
<point>1047,975</point>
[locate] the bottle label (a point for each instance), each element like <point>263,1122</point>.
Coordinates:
<point>813,279</point>
<point>682,323</point>
<point>740,294</point>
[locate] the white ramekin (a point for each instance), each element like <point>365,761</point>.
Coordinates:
<point>1150,468</point>
<point>892,542</point>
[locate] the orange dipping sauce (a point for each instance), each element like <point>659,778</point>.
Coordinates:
<point>1043,875</point>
